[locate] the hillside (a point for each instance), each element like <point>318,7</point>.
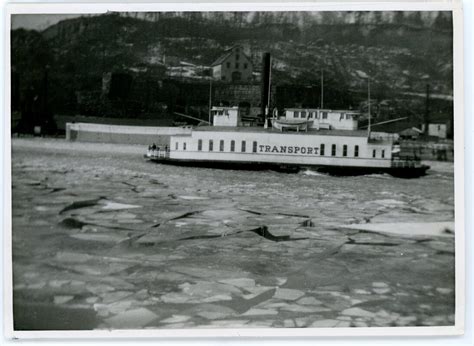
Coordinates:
<point>401,52</point>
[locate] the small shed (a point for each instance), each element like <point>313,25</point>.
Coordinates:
<point>410,133</point>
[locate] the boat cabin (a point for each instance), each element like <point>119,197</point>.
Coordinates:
<point>324,118</point>
<point>226,116</point>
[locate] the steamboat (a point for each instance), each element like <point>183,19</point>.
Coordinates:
<point>324,140</point>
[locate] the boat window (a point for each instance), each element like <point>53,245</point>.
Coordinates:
<point>199,144</point>
<point>211,145</point>
<point>344,150</point>
<point>325,115</point>
<point>232,146</point>
<point>333,150</point>
<point>184,146</point>
<point>321,149</point>
<point>356,151</point>
<point>374,152</point>
<point>296,114</point>
<point>176,146</point>
<point>348,116</point>
<point>310,115</point>
<point>243,147</point>
<point>254,149</point>
<point>383,154</point>
<point>303,114</point>
<point>221,145</point>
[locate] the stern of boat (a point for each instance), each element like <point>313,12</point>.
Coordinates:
<point>408,167</point>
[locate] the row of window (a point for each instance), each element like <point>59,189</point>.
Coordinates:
<point>315,115</point>
<point>221,112</point>
<point>243,148</point>
<point>237,65</point>
<point>221,146</point>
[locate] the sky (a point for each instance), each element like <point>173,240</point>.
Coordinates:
<point>38,21</point>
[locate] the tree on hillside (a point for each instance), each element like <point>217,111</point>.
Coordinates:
<point>443,21</point>
<point>415,19</point>
<point>377,18</point>
<point>399,17</point>
<point>328,18</point>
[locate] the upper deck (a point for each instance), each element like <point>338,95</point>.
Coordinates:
<point>255,129</point>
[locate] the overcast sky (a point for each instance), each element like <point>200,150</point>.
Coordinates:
<point>38,21</point>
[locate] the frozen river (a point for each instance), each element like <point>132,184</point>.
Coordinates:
<point>104,239</point>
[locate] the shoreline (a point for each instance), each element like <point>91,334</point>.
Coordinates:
<point>61,144</point>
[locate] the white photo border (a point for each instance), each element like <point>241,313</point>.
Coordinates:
<point>458,93</point>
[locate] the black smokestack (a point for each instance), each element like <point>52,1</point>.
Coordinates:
<point>266,63</point>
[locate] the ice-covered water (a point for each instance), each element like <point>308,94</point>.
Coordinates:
<point>139,241</point>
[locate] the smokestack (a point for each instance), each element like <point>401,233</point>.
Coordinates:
<point>266,74</point>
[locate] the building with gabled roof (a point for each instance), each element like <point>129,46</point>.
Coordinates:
<point>233,66</point>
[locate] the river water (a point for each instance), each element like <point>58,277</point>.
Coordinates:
<point>134,244</point>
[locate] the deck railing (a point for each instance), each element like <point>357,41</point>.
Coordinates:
<point>406,162</point>
<point>159,153</point>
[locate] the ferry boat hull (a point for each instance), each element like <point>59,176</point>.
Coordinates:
<point>399,172</point>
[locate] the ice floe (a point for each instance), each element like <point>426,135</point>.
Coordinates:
<point>438,229</point>
<point>108,205</point>
<point>137,318</point>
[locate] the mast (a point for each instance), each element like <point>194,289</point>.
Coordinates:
<point>269,86</point>
<point>267,108</point>
<point>368,96</point>
<point>210,100</point>
<point>426,118</point>
<point>322,88</point>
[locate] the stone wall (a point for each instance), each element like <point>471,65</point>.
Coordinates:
<point>247,95</point>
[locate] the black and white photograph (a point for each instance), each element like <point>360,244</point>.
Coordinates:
<point>214,170</point>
